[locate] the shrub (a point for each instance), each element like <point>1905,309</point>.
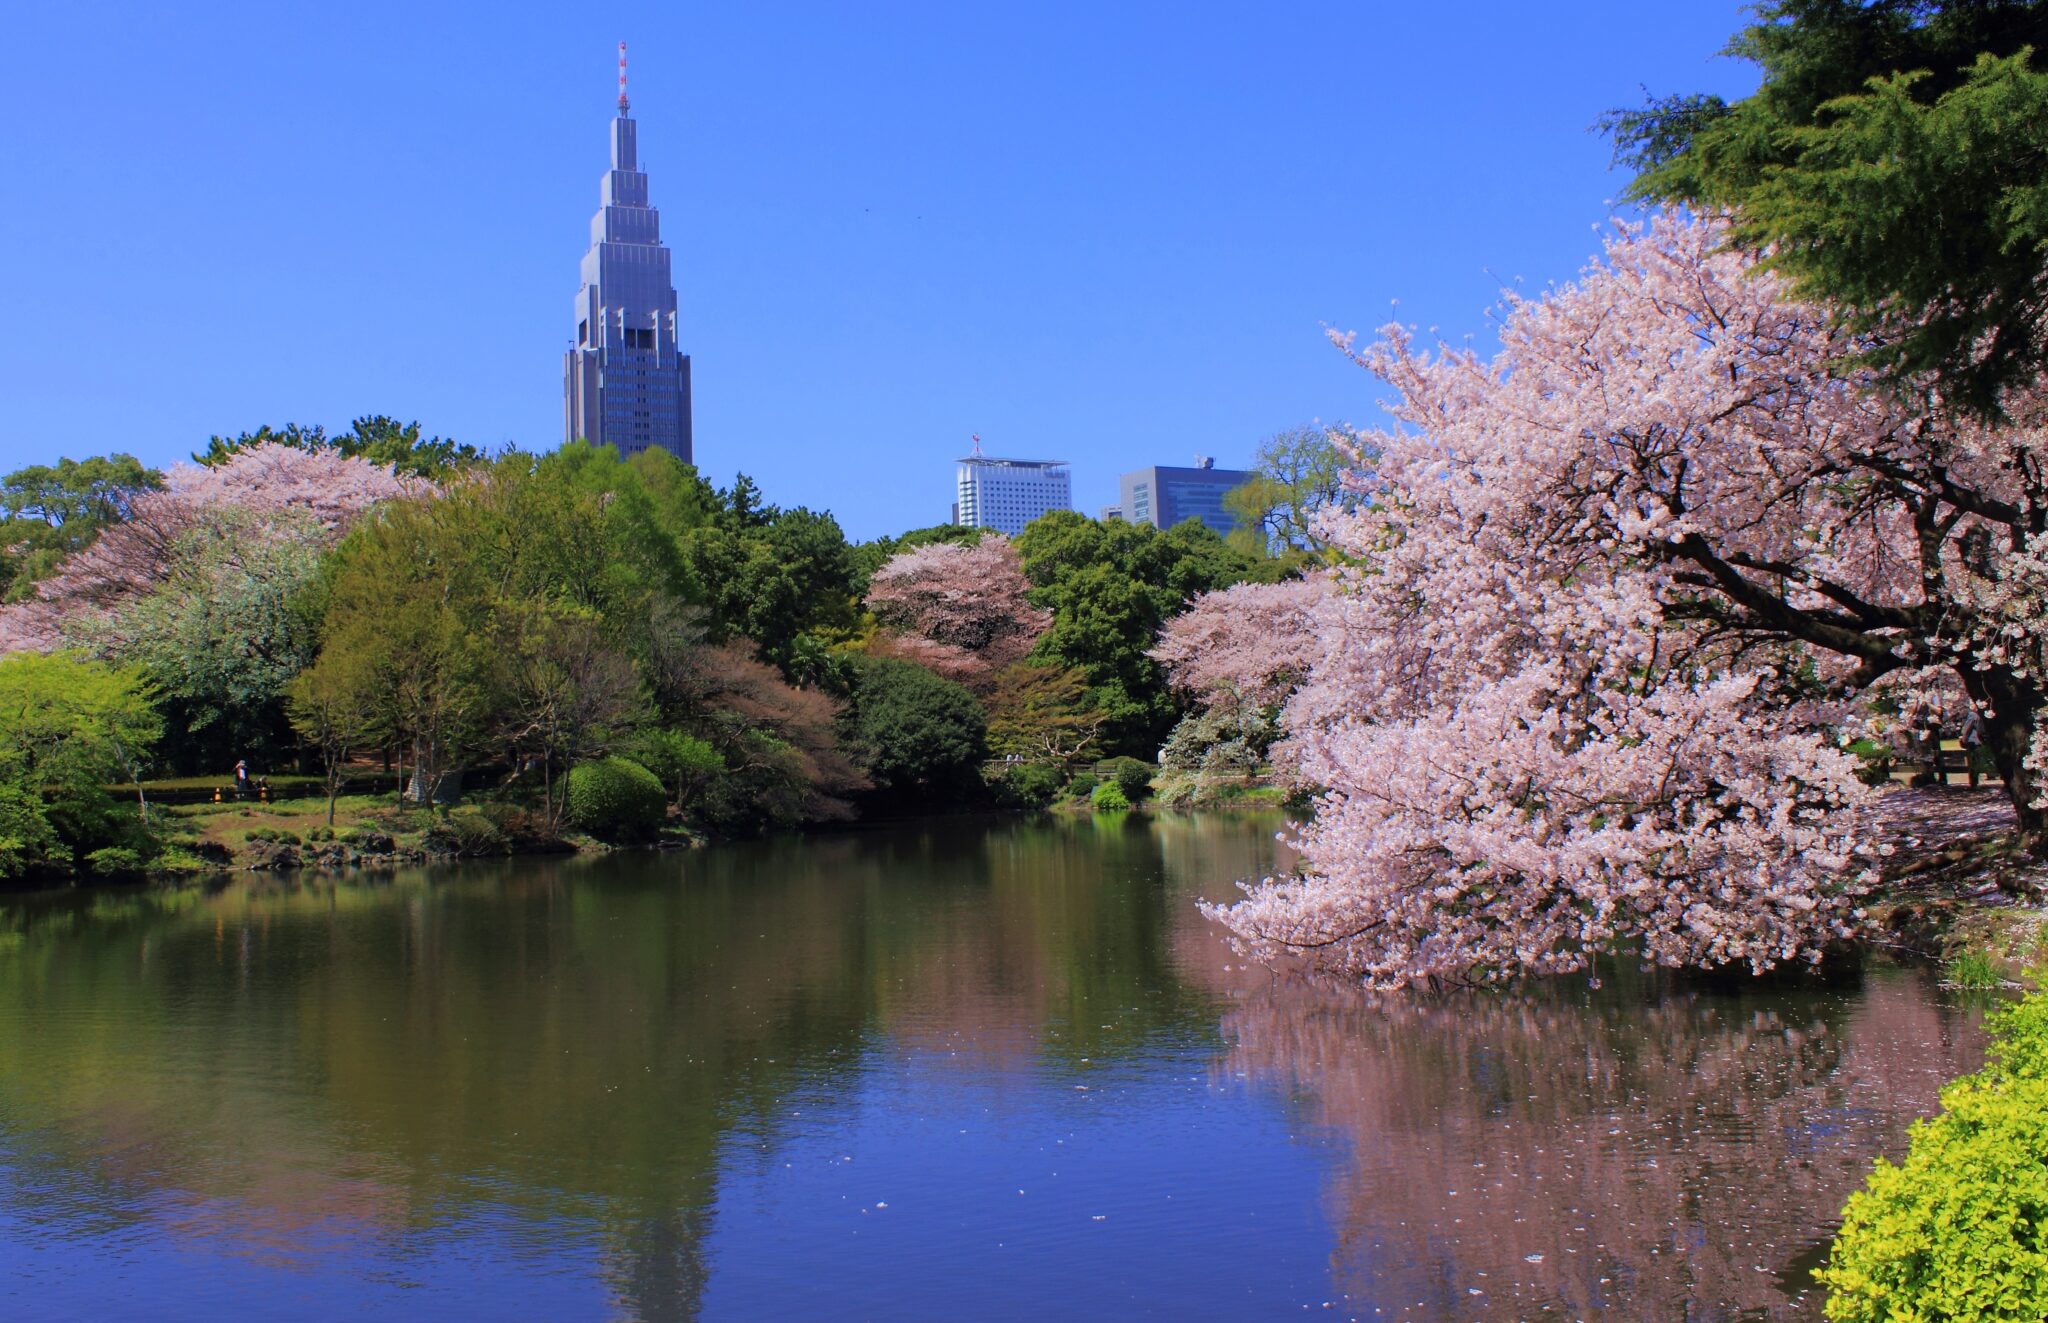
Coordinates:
<point>1109,797</point>
<point>1083,785</point>
<point>914,731</point>
<point>1960,1228</point>
<point>1034,784</point>
<point>616,798</point>
<point>466,830</point>
<point>1133,776</point>
<point>114,860</point>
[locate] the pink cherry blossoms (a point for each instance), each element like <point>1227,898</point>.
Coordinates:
<point>958,609</point>
<point>1614,594</point>
<point>293,490</point>
<point>1251,642</point>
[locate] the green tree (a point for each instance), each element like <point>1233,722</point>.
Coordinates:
<point>684,762</point>
<point>570,696</point>
<point>374,437</point>
<point>1042,713</point>
<point>1110,586</point>
<point>1296,474</point>
<point>49,511</point>
<point>224,632</point>
<point>917,735</point>
<point>333,708</point>
<point>69,728</point>
<point>775,575</point>
<point>1894,160</point>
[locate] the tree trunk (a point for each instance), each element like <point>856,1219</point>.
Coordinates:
<point>2010,710</point>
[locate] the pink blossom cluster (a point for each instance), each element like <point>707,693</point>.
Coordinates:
<point>1250,642</point>
<point>959,609</point>
<point>267,487</point>
<point>1579,690</point>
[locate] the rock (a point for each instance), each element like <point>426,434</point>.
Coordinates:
<point>273,856</point>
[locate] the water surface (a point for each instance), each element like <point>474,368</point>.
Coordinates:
<point>998,1070</point>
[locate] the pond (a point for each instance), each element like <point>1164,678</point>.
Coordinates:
<point>968,1069</point>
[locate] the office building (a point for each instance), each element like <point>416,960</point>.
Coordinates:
<point>1006,494</point>
<point>1163,496</point>
<point>626,382</point>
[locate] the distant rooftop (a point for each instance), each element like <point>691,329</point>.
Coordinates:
<point>1013,463</point>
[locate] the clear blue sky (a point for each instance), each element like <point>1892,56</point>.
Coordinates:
<point>1109,233</point>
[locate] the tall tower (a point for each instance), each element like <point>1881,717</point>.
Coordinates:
<point>625,382</point>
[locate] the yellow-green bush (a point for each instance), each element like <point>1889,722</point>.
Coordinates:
<point>1959,1230</point>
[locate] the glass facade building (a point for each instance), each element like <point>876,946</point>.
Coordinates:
<point>1163,496</point>
<point>625,382</point>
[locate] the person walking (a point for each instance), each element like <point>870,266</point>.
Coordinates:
<point>241,779</point>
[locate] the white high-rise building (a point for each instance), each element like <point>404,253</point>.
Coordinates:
<point>1006,494</point>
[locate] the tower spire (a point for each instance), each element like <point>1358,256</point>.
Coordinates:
<point>623,106</point>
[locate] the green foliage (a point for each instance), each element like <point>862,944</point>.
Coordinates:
<point>376,438</point>
<point>1220,741</point>
<point>115,860</point>
<point>616,799</point>
<point>27,840</point>
<point>914,732</point>
<point>1109,797</point>
<point>1110,586</point>
<point>1133,776</point>
<point>1042,712</point>
<point>1296,474</point>
<point>1894,159</point>
<point>47,512</point>
<point>1083,785</point>
<point>69,728</point>
<point>233,621</point>
<point>684,762</point>
<point>1959,1230</point>
<point>466,830</point>
<point>1033,785</point>
<point>775,576</point>
<point>1972,969</point>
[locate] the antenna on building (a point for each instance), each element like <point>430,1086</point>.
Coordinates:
<point>976,438</point>
<point>623,107</point>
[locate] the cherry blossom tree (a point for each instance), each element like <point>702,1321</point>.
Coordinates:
<point>267,489</point>
<point>1251,642</point>
<point>1615,593</point>
<point>959,609</point>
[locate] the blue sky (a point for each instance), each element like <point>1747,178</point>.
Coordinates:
<point>1108,233</point>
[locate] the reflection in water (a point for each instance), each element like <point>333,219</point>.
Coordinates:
<point>994,1069</point>
<point>1641,1151</point>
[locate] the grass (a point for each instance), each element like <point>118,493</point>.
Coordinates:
<point>1972,969</point>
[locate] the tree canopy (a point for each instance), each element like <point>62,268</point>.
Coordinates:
<point>1894,160</point>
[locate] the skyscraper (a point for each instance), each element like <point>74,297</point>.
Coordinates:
<point>1006,494</point>
<point>625,382</point>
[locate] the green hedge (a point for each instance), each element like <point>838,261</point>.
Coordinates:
<point>616,798</point>
<point>1959,1230</point>
<point>1133,776</point>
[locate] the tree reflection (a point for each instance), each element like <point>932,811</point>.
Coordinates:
<point>556,1054</point>
<point>1644,1150</point>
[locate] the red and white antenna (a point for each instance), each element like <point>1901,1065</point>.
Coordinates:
<point>622,78</point>
<point>976,438</point>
